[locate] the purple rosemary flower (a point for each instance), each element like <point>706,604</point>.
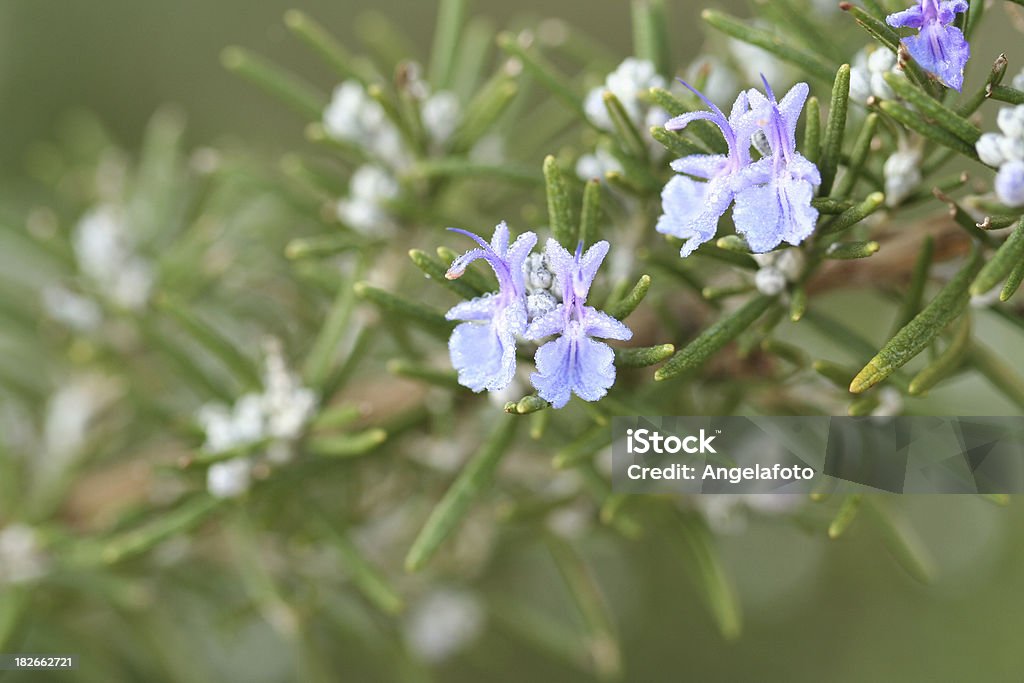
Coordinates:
<point>691,208</point>
<point>939,47</point>
<point>575,362</point>
<point>483,347</point>
<point>774,204</point>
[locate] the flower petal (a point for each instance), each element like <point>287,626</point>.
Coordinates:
<point>480,308</point>
<point>942,51</point>
<point>767,215</point>
<point>499,241</point>
<point>548,324</point>
<point>588,266</point>
<point>691,210</point>
<point>573,363</point>
<point>756,215</point>
<point>908,18</point>
<point>700,165</point>
<point>483,356</point>
<point>600,324</point>
<point>554,371</point>
<point>594,369</point>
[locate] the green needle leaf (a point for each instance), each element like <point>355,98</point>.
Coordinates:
<point>705,131</point>
<point>946,363</point>
<point>474,278</point>
<point>675,143</point>
<point>851,250</point>
<point>213,341</point>
<point>434,269</point>
<point>628,133</point>
<point>450,16</point>
<point>901,539</point>
<point>404,309</point>
<point>527,405</point>
<point>322,246</point>
<point>998,373</point>
<point>696,546</point>
<point>1006,94</point>
<point>861,147</point>
<point>714,338</point>
<point>483,112</point>
<point>185,517</point>
<point>473,480</point>
<point>833,372</point>
<point>320,360</point>
<point>835,127</point>
<point>603,643</point>
<point>846,514</point>
<point>582,449</point>
<point>370,580</point>
<point>1009,256</point>
<point>995,77</point>
<point>916,122</point>
<point>620,310</point>
<point>827,206</point>
<point>644,356</point>
<point>545,74</point>
<point>324,44</point>
<point>919,332</point>
<point>854,214</point>
<point>797,303</point>
<point>346,445</point>
<point>932,109</point>
<point>812,130</point>
<point>590,214</point>
<point>650,34</point>
<point>814,64</point>
<point>559,209</point>
<point>282,84</point>
<point>1012,282</point>
<point>424,373</point>
<point>918,280</point>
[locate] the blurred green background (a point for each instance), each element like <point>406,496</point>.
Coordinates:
<point>123,58</point>
<point>815,610</point>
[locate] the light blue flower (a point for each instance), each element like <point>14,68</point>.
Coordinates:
<point>939,47</point>
<point>774,204</point>
<point>483,347</point>
<point>575,362</point>
<point>691,208</point>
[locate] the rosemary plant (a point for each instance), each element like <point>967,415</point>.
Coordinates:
<point>293,376</point>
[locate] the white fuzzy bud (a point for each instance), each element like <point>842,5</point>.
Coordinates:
<point>860,84</point>
<point>770,281</point>
<point>21,558</point>
<point>442,623</point>
<point>540,303</point>
<point>791,263</point>
<point>628,82</point>
<point>1011,121</point>
<point>1012,149</point>
<point>989,149</point>
<point>597,165</point>
<point>441,113</point>
<point>760,142</point>
<point>902,172</point>
<point>229,479</point>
